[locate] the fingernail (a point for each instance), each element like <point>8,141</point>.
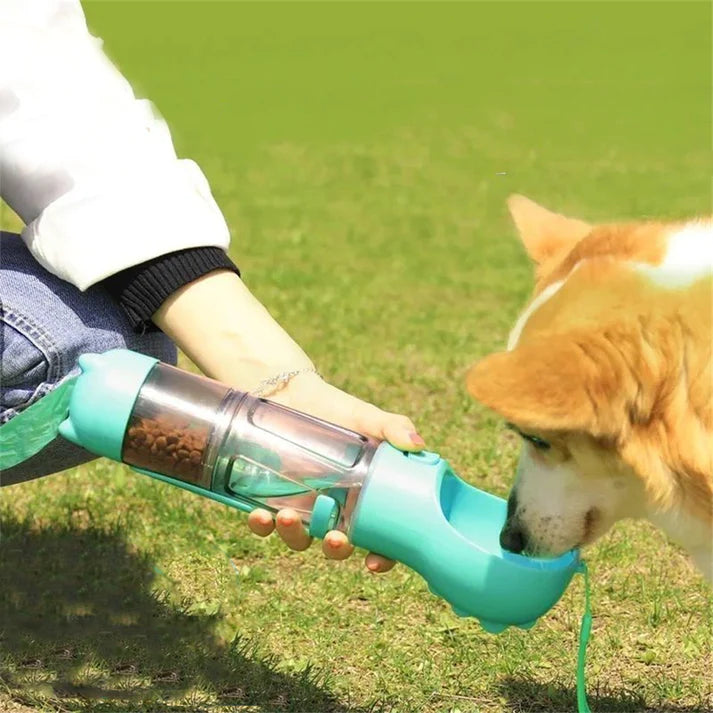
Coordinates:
<point>333,542</point>
<point>287,521</point>
<point>416,439</point>
<point>372,566</point>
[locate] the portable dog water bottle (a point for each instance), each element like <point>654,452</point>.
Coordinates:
<point>247,452</point>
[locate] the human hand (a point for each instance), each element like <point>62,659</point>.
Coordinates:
<point>310,394</point>
<point>230,335</point>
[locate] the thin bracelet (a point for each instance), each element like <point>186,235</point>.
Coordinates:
<point>279,381</point>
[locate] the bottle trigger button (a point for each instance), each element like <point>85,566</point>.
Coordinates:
<point>425,457</point>
<point>325,514</point>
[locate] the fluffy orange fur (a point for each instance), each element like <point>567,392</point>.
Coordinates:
<point>612,357</point>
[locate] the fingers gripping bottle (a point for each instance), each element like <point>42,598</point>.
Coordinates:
<point>250,453</point>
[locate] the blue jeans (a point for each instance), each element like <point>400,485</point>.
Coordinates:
<point>46,324</point>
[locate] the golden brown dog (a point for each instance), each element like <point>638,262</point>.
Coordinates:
<point>608,379</point>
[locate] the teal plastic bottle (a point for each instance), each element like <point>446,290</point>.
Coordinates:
<point>247,452</point>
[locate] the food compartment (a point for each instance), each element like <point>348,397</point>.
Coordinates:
<point>171,424</point>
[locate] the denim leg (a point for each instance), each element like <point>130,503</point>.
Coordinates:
<point>46,324</point>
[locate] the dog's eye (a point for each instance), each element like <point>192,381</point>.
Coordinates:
<point>539,443</point>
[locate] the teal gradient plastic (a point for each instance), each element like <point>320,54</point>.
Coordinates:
<point>103,398</point>
<point>411,508</point>
<point>414,509</point>
<point>325,512</point>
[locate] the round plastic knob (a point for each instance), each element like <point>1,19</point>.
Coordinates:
<point>324,516</point>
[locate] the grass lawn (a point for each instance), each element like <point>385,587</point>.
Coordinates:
<point>362,154</point>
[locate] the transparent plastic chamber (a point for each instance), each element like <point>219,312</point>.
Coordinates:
<point>199,431</point>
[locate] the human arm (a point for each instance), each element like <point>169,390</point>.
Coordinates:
<point>92,172</point>
<point>89,168</point>
<point>241,344</point>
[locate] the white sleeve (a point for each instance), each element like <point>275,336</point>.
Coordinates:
<point>90,169</point>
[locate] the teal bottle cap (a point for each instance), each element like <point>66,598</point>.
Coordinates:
<point>103,398</point>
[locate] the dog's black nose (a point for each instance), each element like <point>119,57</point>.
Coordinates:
<point>512,538</point>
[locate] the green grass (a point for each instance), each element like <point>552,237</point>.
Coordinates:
<point>362,154</point>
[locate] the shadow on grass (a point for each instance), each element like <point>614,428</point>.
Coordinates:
<point>527,696</point>
<point>80,623</point>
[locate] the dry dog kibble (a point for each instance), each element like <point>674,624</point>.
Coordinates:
<point>166,447</point>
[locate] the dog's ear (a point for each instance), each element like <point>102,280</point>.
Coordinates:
<point>543,232</point>
<point>557,383</point>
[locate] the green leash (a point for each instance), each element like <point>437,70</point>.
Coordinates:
<point>584,633</point>
<point>32,429</point>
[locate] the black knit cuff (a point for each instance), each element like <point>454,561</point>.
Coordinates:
<point>142,289</point>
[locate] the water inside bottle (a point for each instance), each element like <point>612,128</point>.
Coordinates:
<point>284,458</point>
